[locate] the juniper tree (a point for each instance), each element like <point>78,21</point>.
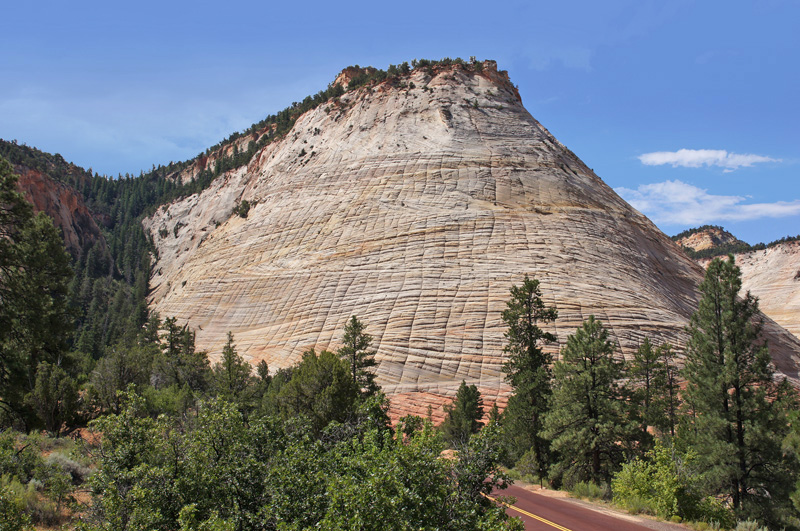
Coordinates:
<point>739,410</point>
<point>356,351</point>
<point>587,419</point>
<point>527,371</point>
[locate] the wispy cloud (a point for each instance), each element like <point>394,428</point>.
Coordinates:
<point>695,158</point>
<point>676,202</point>
<point>574,57</point>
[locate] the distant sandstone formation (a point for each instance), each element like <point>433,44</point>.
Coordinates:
<point>771,274</point>
<point>415,205</point>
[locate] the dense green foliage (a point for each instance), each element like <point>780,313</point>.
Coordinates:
<point>664,484</point>
<point>463,416</point>
<point>35,320</point>
<point>34,488</point>
<point>274,474</point>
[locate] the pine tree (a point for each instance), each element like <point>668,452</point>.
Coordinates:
<point>232,375</point>
<point>587,420</point>
<point>739,411</point>
<point>35,319</point>
<point>653,391</point>
<point>528,372</point>
<point>356,351</point>
<point>463,415</point>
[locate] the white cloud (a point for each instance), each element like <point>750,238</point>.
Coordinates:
<point>695,158</point>
<point>676,202</point>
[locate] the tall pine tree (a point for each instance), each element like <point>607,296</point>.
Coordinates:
<point>653,391</point>
<point>738,410</point>
<point>357,353</point>
<point>35,318</point>
<point>587,419</point>
<point>232,375</point>
<point>528,372</point>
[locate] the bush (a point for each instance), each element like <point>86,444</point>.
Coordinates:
<point>26,498</point>
<point>527,468</point>
<point>749,525</point>
<point>13,511</point>
<point>243,208</point>
<point>19,456</point>
<point>655,482</point>
<point>591,491</point>
<point>713,512</point>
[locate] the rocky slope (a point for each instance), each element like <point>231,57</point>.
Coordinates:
<point>62,203</point>
<point>708,238</point>
<point>415,205</point>
<point>773,275</point>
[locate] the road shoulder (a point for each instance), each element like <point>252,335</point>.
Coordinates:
<point>602,508</point>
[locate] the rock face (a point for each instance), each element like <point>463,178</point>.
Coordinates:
<point>416,209</point>
<point>708,238</point>
<point>62,203</point>
<point>773,275</point>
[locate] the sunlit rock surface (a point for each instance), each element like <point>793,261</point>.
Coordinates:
<point>416,209</point>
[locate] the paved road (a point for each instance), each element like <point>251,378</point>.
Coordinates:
<point>544,513</point>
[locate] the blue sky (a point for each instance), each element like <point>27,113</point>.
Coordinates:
<point>689,109</point>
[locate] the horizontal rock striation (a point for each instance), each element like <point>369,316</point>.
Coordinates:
<point>415,205</point>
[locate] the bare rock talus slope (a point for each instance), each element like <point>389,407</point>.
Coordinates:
<point>417,209</point>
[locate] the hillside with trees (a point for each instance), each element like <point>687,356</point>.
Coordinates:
<point>112,417</point>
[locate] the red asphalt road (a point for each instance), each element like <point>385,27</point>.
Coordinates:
<point>558,514</point>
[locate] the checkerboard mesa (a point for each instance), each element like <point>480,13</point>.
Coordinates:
<point>415,202</point>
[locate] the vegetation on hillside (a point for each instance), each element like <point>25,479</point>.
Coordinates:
<point>176,443</point>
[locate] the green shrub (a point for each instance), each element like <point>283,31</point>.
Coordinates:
<point>713,512</point>
<point>656,481</point>
<point>13,511</point>
<point>636,505</point>
<point>591,491</point>
<point>19,455</point>
<point>40,510</point>
<point>243,208</point>
<point>527,468</point>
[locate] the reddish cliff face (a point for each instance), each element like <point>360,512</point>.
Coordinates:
<point>63,204</point>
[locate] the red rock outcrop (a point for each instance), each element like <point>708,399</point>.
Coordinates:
<point>62,203</point>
